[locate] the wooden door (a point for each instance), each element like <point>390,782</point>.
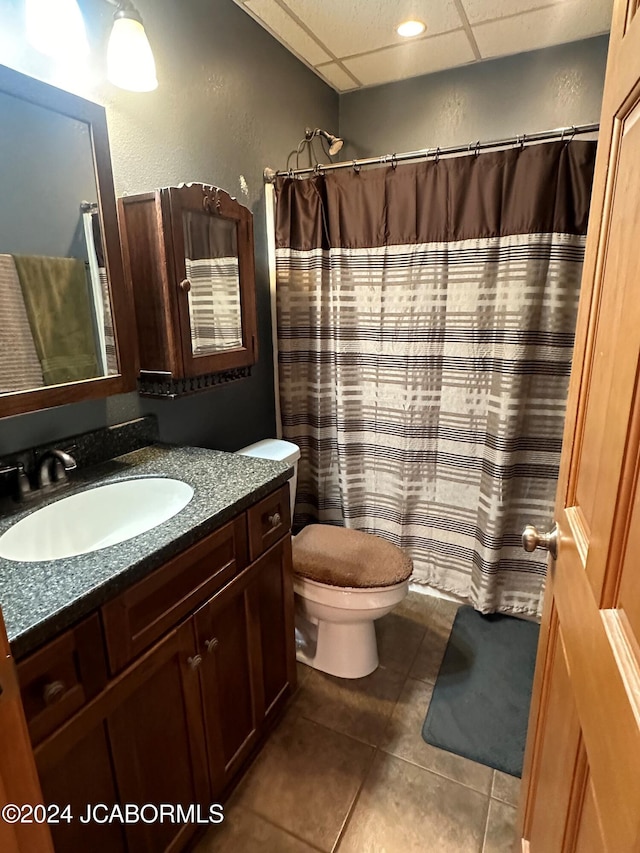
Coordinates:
<point>18,778</point>
<point>581,788</point>
<point>75,770</point>
<point>194,209</point>
<point>272,599</point>
<point>227,638</point>
<point>157,741</point>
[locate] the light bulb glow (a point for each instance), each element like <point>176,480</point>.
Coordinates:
<point>130,62</point>
<point>56,29</point>
<point>409,29</point>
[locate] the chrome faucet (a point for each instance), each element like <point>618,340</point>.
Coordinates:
<point>53,467</point>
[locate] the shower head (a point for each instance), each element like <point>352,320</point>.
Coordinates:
<point>335,143</point>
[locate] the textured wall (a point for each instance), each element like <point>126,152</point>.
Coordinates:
<point>231,101</point>
<point>534,91</point>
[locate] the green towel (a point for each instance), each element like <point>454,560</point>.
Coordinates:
<point>56,296</point>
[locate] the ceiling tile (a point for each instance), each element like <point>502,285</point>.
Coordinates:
<point>412,59</point>
<point>486,10</point>
<point>282,25</point>
<point>568,21</point>
<point>338,78</point>
<point>346,28</point>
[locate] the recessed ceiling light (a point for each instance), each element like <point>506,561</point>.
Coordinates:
<point>408,29</point>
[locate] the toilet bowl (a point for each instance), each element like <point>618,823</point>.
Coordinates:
<point>343,581</point>
<point>334,625</point>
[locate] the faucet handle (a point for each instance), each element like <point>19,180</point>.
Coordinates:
<point>22,485</point>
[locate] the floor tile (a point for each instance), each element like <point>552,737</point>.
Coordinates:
<point>305,780</point>
<point>421,608</point>
<point>403,738</point>
<point>245,832</point>
<point>501,828</point>
<point>303,671</point>
<point>506,788</point>
<point>399,638</point>
<point>405,809</point>
<point>440,616</point>
<point>359,707</point>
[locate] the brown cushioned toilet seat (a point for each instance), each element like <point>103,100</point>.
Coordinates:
<point>349,558</point>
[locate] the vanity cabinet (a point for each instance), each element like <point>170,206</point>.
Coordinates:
<point>189,258</point>
<point>198,676</point>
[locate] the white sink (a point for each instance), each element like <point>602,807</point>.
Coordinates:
<point>95,518</point>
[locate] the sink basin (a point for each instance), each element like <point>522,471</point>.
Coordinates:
<point>95,518</point>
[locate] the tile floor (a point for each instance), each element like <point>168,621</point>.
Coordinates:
<point>347,770</point>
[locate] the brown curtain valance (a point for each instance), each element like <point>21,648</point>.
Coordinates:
<point>493,194</point>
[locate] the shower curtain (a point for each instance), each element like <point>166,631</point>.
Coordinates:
<point>425,323</point>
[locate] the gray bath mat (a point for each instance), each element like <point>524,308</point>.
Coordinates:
<point>480,703</point>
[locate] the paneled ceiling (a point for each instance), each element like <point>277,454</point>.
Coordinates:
<point>353,43</point>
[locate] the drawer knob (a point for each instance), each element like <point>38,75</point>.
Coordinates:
<point>195,661</point>
<point>53,692</point>
<point>275,519</point>
<point>212,645</point>
<point>185,285</point>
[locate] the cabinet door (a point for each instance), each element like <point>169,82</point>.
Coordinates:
<point>246,637</point>
<point>271,599</point>
<point>75,769</point>
<point>157,740</point>
<point>227,638</point>
<point>213,266</point>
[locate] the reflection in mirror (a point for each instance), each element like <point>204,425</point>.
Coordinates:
<point>211,262</point>
<point>55,311</point>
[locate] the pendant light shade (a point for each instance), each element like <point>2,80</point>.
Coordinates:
<point>130,62</point>
<point>56,29</point>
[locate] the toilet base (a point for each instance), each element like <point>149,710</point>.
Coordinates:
<point>343,649</point>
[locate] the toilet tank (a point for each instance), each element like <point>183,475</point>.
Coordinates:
<point>281,451</point>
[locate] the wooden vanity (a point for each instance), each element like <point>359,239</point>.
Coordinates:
<point>164,693</point>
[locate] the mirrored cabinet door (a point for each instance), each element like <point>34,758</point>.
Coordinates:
<point>189,255</point>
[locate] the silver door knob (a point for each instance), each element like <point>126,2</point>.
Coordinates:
<point>195,661</point>
<point>211,645</point>
<point>532,539</point>
<point>275,519</point>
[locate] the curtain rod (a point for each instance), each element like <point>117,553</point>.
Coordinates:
<point>473,147</point>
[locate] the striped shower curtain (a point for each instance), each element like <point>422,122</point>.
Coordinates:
<point>425,321</point>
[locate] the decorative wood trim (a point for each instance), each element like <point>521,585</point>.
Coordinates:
<point>163,385</point>
<point>579,532</point>
<point>627,654</point>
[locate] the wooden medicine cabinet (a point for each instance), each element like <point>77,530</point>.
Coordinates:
<point>189,258</point>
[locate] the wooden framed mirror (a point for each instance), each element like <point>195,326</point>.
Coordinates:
<point>67,327</point>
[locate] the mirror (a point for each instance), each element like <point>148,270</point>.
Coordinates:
<point>61,284</point>
<point>211,266</point>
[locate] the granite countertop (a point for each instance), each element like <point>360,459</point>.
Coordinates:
<point>40,599</point>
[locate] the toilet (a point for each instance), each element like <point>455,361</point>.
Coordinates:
<point>343,580</point>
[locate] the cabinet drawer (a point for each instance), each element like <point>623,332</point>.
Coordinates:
<point>61,677</point>
<point>148,609</point>
<point>268,521</point>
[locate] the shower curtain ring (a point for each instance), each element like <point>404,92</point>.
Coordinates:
<point>394,161</point>
<point>290,174</point>
<point>356,167</point>
<point>522,141</point>
<point>437,157</point>
<point>573,132</point>
<point>477,148</point>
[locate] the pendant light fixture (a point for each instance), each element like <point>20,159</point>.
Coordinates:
<point>56,29</point>
<point>130,62</point>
